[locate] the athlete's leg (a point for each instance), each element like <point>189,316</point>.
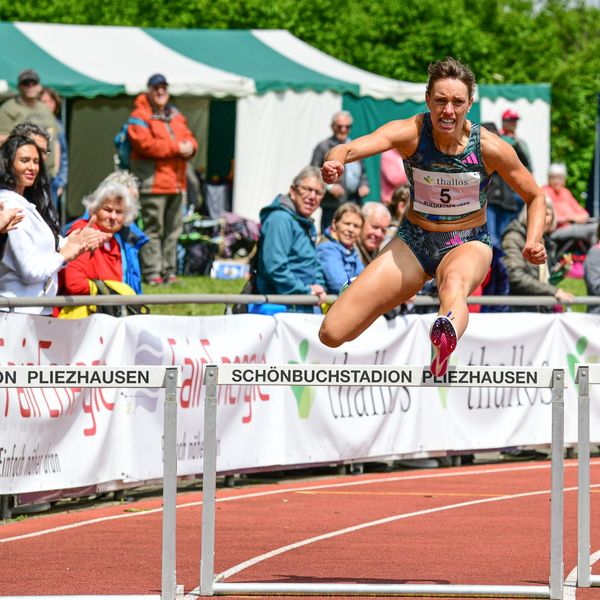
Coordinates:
<point>458,274</point>
<point>392,278</point>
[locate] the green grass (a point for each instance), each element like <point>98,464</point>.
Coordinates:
<point>577,288</point>
<point>193,285</point>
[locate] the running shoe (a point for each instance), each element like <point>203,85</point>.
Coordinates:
<point>443,341</point>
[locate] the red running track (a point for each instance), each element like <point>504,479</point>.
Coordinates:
<point>477,525</point>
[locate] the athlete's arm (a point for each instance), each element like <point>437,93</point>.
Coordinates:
<point>500,156</point>
<point>402,135</point>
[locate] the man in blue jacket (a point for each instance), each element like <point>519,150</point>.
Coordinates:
<point>287,258</point>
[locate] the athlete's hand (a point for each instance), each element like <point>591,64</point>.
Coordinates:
<point>332,170</point>
<point>535,253</point>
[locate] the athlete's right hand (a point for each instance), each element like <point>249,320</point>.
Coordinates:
<point>332,170</point>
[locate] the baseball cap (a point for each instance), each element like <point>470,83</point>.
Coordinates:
<point>157,79</point>
<point>28,75</point>
<point>510,115</point>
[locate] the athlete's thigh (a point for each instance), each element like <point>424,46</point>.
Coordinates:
<point>392,278</point>
<point>470,262</point>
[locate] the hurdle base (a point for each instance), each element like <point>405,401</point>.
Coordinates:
<point>382,589</point>
<point>594,580</point>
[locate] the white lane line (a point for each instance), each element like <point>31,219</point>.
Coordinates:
<point>570,588</point>
<point>287,490</point>
<point>253,561</point>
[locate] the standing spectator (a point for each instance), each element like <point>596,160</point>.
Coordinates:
<point>392,174</point>
<point>159,151</point>
<point>35,252</point>
<point>571,218</point>
<point>112,209</point>
<point>377,219</point>
<point>502,205</point>
<point>525,278</point>
<point>27,106</point>
<point>58,183</point>
<point>591,273</point>
<point>353,185</point>
<point>338,257</point>
<point>510,120</point>
<point>287,256</point>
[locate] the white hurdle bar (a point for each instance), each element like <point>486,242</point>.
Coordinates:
<point>586,375</point>
<point>381,376</point>
<point>124,377</point>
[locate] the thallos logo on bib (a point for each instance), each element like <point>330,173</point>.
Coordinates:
<point>446,193</point>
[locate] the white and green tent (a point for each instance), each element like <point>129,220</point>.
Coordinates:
<point>262,98</point>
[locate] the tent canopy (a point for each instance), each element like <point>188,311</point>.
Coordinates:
<point>89,61</point>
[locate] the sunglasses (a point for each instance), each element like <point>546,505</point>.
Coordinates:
<point>28,82</point>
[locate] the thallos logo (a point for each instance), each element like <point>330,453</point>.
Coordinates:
<point>304,394</point>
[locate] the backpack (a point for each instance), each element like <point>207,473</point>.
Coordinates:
<point>123,145</point>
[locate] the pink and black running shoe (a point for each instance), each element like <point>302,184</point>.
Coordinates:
<point>443,341</point>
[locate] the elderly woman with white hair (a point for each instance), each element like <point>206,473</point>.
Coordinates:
<point>112,208</point>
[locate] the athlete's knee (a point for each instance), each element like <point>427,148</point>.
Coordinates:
<point>328,337</point>
<point>453,282</point>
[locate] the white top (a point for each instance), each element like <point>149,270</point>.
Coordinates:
<point>30,265</point>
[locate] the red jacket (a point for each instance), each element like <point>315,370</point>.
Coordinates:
<point>103,263</point>
<point>155,158</point>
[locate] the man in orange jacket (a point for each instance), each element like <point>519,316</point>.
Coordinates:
<point>161,143</point>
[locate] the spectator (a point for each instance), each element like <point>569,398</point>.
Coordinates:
<point>353,185</point>
<point>287,256</point>
<point>27,106</point>
<point>526,279</point>
<point>591,273</point>
<point>502,205</point>
<point>159,151</point>
<point>571,218</point>
<point>34,251</point>
<point>339,258</point>
<point>392,174</point>
<point>112,208</point>
<point>398,206</point>
<point>510,120</point>
<point>58,183</point>
<point>377,219</point>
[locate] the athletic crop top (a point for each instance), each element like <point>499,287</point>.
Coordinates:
<point>446,187</point>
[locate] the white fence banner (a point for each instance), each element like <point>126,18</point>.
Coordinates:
<point>55,438</point>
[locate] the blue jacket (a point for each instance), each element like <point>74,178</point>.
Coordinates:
<point>338,263</point>
<point>287,257</point>
<point>131,238</point>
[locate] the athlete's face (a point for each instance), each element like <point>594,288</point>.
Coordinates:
<point>448,103</point>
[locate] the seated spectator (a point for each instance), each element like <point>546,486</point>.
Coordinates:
<point>526,279</point>
<point>392,174</point>
<point>397,207</point>
<point>338,256</point>
<point>377,220</point>
<point>58,183</point>
<point>111,208</point>
<point>591,273</point>
<point>34,252</point>
<point>572,220</point>
<point>287,255</point>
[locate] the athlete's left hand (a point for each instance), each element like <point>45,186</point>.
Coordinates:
<point>535,253</point>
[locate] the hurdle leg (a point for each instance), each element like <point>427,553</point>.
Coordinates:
<point>209,483</point>
<point>557,486</point>
<point>169,579</point>
<point>583,478</point>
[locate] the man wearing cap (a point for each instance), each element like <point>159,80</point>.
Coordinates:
<point>510,120</point>
<point>161,143</point>
<point>27,106</point>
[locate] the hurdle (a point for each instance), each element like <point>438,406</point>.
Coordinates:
<point>124,377</point>
<point>586,375</point>
<point>386,376</point>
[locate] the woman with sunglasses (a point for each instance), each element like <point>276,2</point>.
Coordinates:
<point>448,161</point>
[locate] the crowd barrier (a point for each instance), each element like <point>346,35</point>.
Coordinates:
<point>407,376</point>
<point>126,378</point>
<point>586,375</point>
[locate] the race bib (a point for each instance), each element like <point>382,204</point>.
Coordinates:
<point>446,193</point>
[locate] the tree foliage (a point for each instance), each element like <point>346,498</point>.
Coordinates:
<point>510,41</point>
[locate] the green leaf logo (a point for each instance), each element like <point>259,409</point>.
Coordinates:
<point>305,395</point>
<point>574,359</point>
